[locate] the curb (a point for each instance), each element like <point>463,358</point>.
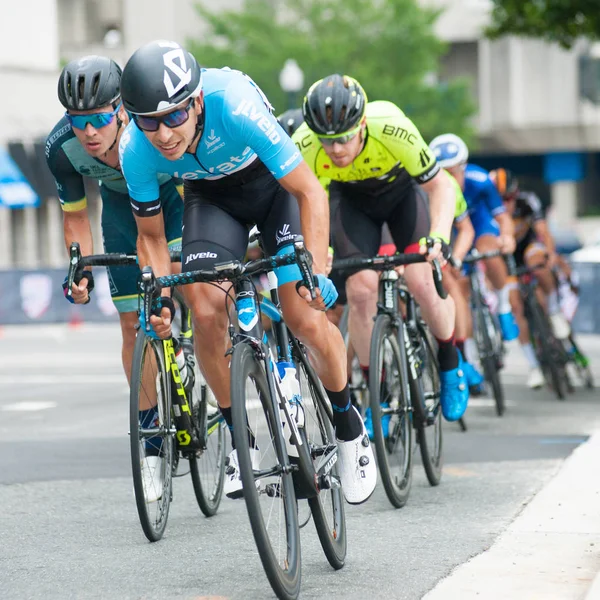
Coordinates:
<point>552,548</point>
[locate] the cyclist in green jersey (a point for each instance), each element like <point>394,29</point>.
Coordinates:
<point>376,158</point>
<point>85,143</point>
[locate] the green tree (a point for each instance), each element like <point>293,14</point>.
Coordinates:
<point>561,21</point>
<point>388,45</point>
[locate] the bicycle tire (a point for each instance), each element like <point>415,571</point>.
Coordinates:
<point>211,460</point>
<point>544,340</point>
<point>432,459</point>
<point>319,432</point>
<point>384,332</point>
<point>584,371</point>
<point>284,576</point>
<point>489,359</point>
<point>145,376</point>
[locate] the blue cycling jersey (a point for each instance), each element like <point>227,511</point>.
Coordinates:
<point>481,193</point>
<point>239,128</point>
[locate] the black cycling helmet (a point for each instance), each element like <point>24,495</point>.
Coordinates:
<point>290,120</point>
<point>158,76</point>
<point>89,82</point>
<point>506,183</point>
<point>334,105</point>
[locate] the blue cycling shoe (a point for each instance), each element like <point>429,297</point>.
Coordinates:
<point>510,329</point>
<point>474,377</point>
<point>385,422</point>
<point>455,391</point>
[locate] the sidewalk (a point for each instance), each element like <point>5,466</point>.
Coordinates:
<point>552,549</point>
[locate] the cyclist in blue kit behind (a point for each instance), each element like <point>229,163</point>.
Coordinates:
<point>494,229</point>
<point>214,128</point>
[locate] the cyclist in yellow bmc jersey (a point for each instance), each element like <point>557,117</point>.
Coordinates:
<point>375,158</point>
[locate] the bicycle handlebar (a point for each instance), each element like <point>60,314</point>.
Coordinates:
<point>233,270</point>
<point>383,263</point>
<point>78,263</point>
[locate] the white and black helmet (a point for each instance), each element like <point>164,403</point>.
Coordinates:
<point>450,150</point>
<point>159,76</point>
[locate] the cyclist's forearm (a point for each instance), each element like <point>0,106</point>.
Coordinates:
<point>442,204</point>
<point>464,239</point>
<point>542,232</point>
<point>506,225</point>
<point>314,217</point>
<point>152,246</point>
<point>76,228</point>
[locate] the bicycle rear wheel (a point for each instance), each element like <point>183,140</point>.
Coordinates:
<point>152,444</point>
<point>390,406</point>
<point>429,428</point>
<point>320,447</point>
<point>486,336</point>
<point>268,489</point>
<point>207,467</point>
<point>552,358</point>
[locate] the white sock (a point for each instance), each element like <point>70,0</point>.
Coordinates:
<point>503,300</point>
<point>471,355</point>
<point>529,353</point>
<point>553,306</point>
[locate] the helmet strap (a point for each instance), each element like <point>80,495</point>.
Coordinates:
<point>199,128</point>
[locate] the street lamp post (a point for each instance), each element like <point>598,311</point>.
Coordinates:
<point>291,80</point>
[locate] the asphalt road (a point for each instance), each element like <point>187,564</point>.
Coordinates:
<point>69,526</point>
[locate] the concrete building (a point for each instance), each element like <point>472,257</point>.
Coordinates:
<point>533,115</point>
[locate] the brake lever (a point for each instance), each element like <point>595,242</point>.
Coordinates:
<point>438,279</point>
<point>148,285</point>
<point>304,260</point>
<point>74,260</point>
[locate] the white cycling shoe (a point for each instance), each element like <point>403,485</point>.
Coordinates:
<point>152,478</point>
<point>232,486</point>
<point>536,379</point>
<point>357,468</point>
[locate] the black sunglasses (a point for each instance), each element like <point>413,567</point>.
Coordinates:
<point>171,120</point>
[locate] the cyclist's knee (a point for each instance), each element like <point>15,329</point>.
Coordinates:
<point>361,290</point>
<point>209,317</point>
<point>307,324</point>
<point>128,321</point>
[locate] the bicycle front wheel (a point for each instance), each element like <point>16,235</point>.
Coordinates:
<point>320,448</point>
<point>207,467</point>
<point>390,411</point>
<point>152,436</point>
<point>268,486</point>
<point>429,429</point>
<point>486,331</point>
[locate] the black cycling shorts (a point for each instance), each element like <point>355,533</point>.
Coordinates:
<point>219,213</point>
<point>358,222</point>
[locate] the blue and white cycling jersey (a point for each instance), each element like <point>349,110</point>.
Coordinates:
<point>239,128</point>
<point>483,200</point>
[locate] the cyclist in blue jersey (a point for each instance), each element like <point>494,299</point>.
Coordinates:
<point>494,228</point>
<point>215,129</point>
<point>85,143</point>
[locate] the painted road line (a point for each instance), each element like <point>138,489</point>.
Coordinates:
<point>30,406</point>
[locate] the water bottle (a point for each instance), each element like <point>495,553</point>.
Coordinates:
<point>290,387</point>
<point>181,362</point>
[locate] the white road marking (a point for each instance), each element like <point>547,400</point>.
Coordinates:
<point>31,406</point>
<point>66,379</point>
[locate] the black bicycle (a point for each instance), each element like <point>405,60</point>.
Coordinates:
<point>550,351</point>
<point>404,382</point>
<point>486,330</point>
<point>285,441</point>
<point>188,424</point>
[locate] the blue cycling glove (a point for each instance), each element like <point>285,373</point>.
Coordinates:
<point>157,305</point>
<point>328,290</point>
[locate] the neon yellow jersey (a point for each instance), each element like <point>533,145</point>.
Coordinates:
<point>393,148</point>
<point>460,211</point>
